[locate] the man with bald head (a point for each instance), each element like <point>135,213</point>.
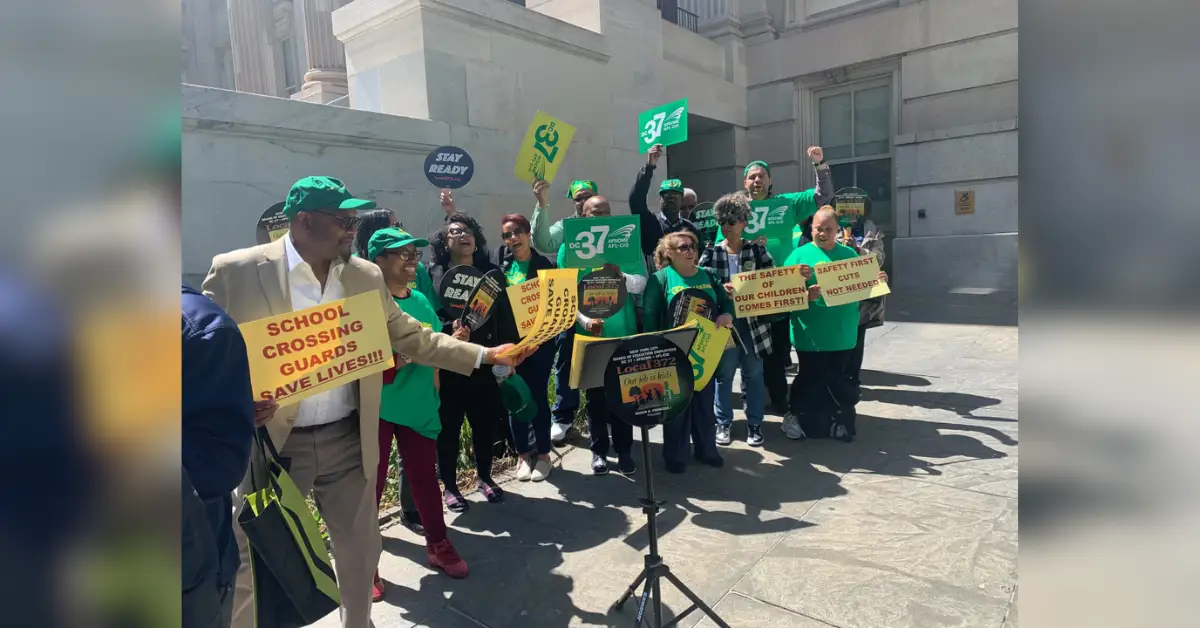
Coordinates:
<point>824,394</point>
<point>623,323</point>
<point>689,203</point>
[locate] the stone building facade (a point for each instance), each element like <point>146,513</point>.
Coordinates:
<point>914,101</point>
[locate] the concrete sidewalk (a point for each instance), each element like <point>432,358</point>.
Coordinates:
<point>914,524</point>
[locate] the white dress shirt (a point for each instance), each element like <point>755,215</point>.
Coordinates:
<point>305,292</point>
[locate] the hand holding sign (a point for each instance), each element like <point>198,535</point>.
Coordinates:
<point>446,198</point>
<point>541,192</point>
<point>656,151</point>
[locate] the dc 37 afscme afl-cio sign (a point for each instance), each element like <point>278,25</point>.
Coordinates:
<point>301,353</point>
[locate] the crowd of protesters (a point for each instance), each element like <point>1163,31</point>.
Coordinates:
<point>339,443</point>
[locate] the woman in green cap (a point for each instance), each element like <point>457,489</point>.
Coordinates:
<point>373,220</point>
<point>802,205</point>
<point>409,404</point>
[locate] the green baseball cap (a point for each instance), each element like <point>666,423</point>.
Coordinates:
<point>312,194</point>
<point>756,164</point>
<point>582,184</point>
<point>391,238</point>
<point>671,185</point>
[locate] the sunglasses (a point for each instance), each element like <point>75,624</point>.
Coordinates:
<point>508,235</point>
<point>684,248</point>
<point>458,233</point>
<point>347,223</point>
<point>729,222</point>
<point>407,256</point>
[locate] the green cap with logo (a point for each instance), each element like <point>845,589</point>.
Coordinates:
<point>391,238</point>
<point>756,164</point>
<point>671,185</point>
<point>582,184</point>
<point>327,194</point>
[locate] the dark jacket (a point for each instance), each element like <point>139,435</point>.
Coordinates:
<point>654,225</point>
<point>218,416</point>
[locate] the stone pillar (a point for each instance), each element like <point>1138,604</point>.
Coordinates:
<point>325,77</point>
<point>257,60</point>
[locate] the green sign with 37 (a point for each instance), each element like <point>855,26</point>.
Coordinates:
<point>591,242</point>
<point>666,124</point>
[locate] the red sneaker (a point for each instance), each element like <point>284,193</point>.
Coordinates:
<point>377,588</point>
<point>442,555</point>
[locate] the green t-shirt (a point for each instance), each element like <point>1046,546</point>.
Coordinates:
<point>665,284</point>
<point>823,328</point>
<point>803,207</point>
<point>518,272</point>
<point>424,284</point>
<point>624,322</point>
<point>411,400</point>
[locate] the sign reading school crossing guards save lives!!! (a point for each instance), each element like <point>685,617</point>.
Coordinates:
<point>543,149</point>
<point>769,291</point>
<point>850,280</point>
<point>524,298</point>
<point>449,167</point>
<point>665,124</point>
<point>302,353</point>
<point>769,219</point>
<point>602,240</point>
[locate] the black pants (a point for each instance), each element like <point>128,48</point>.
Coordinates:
<point>854,364</point>
<point>697,426</point>
<point>601,420</point>
<point>776,362</point>
<point>478,398</point>
<point>823,394</point>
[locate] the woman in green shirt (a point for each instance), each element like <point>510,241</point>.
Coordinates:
<point>824,394</point>
<point>676,258</point>
<point>409,403</point>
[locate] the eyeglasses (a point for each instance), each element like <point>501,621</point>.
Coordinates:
<point>347,223</point>
<point>684,248</point>
<point>508,235</point>
<point>454,232</point>
<point>407,256</point>
<point>729,222</point>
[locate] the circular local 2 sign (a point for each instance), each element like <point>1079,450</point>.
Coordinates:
<point>480,304</point>
<point>850,205</point>
<point>449,167</point>
<point>602,294</point>
<point>271,225</point>
<point>691,301</point>
<point>648,381</point>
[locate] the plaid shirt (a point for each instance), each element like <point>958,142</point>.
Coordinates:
<point>752,257</point>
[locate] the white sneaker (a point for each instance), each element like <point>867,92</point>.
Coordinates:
<point>524,471</point>
<point>791,427</point>
<point>541,470</point>
<point>723,436</point>
<point>558,433</point>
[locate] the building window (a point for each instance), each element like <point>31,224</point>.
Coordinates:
<point>291,80</point>
<point>855,127</point>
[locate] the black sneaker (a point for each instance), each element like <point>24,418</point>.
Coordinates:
<point>599,465</point>
<point>626,465</point>
<point>412,521</point>
<point>754,437</point>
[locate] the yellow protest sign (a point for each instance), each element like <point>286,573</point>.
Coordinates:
<point>523,298</point>
<point>302,353</point>
<point>769,291</point>
<point>706,350</point>
<point>850,280</point>
<point>558,300</point>
<point>543,148</point>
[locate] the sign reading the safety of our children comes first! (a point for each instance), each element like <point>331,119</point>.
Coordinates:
<point>850,280</point>
<point>301,353</point>
<point>602,240</point>
<point>769,291</point>
<point>664,124</point>
<point>524,298</point>
<point>543,149</point>
<point>769,219</point>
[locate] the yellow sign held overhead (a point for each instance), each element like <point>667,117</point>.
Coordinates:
<point>558,300</point>
<point>543,149</point>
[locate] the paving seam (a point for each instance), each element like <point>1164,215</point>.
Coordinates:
<point>784,609</point>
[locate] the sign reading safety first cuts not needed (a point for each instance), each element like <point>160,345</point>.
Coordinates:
<point>543,149</point>
<point>850,280</point>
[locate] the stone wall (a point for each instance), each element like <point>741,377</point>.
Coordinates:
<point>952,66</point>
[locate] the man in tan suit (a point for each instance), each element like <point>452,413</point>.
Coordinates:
<point>330,438</point>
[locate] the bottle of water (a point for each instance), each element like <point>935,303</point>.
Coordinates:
<point>501,372</point>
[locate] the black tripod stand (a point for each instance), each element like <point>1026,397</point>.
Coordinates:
<point>655,567</point>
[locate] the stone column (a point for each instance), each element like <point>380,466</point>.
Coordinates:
<point>325,77</point>
<point>257,62</point>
